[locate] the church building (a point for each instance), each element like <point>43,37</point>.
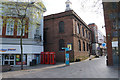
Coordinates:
<point>67,29</point>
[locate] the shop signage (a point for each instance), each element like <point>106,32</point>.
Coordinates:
<point>10,49</point>
<point>69,45</point>
<point>103,44</point>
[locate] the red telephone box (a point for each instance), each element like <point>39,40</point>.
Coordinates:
<point>47,58</point>
<point>52,57</point>
<point>42,57</point>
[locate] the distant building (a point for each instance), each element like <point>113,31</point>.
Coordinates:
<point>67,29</point>
<point>10,31</point>
<point>102,43</point>
<point>93,27</point>
<point>112,24</point>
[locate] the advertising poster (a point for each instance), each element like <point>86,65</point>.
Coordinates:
<point>67,59</point>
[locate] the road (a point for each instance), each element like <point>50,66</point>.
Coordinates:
<point>95,68</point>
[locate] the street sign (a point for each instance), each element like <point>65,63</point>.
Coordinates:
<point>67,59</point>
<point>103,44</point>
<point>69,45</point>
<point>66,49</point>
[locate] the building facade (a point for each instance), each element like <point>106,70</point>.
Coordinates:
<point>64,29</point>
<point>112,25</point>
<point>93,27</point>
<point>102,43</point>
<point>10,32</point>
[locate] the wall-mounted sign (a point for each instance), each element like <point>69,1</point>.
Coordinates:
<point>103,44</point>
<point>3,50</point>
<point>10,49</point>
<point>69,45</point>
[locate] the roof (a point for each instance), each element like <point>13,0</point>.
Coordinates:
<point>36,4</point>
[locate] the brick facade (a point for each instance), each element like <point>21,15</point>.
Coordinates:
<point>110,15</point>
<point>15,28</point>
<point>70,35</point>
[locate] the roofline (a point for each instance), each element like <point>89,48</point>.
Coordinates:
<point>71,14</point>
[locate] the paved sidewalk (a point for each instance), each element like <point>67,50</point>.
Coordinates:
<point>95,68</point>
<point>46,66</point>
<point>38,66</point>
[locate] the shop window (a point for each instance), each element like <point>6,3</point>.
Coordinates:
<point>6,62</point>
<point>10,27</point>
<point>11,62</point>
<point>61,44</point>
<point>11,56</point>
<point>6,56</point>
<point>18,59</point>
<point>61,26</point>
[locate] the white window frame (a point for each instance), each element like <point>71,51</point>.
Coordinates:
<point>19,26</point>
<point>1,25</point>
<point>10,27</point>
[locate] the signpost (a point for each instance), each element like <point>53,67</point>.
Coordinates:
<point>67,59</point>
<point>66,56</point>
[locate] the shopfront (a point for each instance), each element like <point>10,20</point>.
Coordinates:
<point>13,59</point>
<point>11,54</point>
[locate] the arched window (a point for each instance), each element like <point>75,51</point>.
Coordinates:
<point>83,46</point>
<point>61,44</point>
<point>87,47</point>
<point>78,29</point>
<point>61,26</point>
<point>83,31</point>
<point>86,34</point>
<point>10,27</point>
<point>79,43</point>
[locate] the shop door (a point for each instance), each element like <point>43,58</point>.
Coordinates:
<point>115,55</point>
<point>9,59</point>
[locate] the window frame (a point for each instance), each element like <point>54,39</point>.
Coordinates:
<point>61,44</point>
<point>79,44</point>
<point>83,31</point>
<point>18,27</point>
<point>78,28</point>
<point>61,27</point>
<point>83,46</point>
<point>1,26</point>
<point>8,28</point>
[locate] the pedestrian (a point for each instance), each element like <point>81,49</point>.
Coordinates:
<point>89,57</point>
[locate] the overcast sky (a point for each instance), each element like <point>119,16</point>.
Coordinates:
<point>87,12</point>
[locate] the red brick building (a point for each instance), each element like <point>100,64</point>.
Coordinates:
<point>93,27</point>
<point>63,28</point>
<point>112,24</point>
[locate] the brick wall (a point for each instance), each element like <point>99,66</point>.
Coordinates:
<point>51,27</point>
